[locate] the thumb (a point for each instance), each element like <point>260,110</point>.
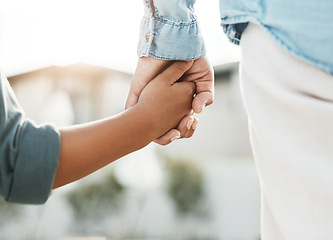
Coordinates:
<point>137,85</point>
<point>132,99</point>
<point>175,71</point>
<point>201,100</point>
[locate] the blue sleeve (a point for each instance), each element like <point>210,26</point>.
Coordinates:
<point>170,31</point>
<point>29,154</point>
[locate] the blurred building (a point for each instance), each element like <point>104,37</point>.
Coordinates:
<point>71,94</point>
<point>80,93</point>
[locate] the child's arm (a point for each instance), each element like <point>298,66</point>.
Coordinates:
<point>88,147</point>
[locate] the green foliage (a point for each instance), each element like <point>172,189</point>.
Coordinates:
<point>93,201</point>
<point>185,185</point>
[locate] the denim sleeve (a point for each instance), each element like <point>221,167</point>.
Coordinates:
<point>29,154</point>
<point>170,31</point>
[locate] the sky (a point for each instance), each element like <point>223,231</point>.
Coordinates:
<point>40,33</point>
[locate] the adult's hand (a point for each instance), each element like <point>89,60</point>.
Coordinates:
<point>200,72</point>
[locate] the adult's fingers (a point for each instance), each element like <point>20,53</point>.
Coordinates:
<point>187,126</point>
<point>202,74</point>
<point>167,138</point>
<point>204,93</point>
<point>185,129</point>
<point>202,100</point>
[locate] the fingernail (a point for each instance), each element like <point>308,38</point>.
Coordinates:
<point>174,138</point>
<point>189,124</point>
<point>194,125</point>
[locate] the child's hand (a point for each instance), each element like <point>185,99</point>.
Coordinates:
<point>165,101</point>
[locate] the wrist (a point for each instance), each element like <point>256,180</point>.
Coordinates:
<point>148,121</point>
<point>144,122</point>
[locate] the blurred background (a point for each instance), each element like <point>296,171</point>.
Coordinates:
<point>71,61</point>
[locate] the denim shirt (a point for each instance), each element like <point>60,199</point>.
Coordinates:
<point>29,154</point>
<point>302,27</point>
<point>169,31</point>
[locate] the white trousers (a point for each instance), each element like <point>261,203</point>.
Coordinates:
<point>290,109</point>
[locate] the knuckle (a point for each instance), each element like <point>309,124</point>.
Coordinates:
<point>189,89</point>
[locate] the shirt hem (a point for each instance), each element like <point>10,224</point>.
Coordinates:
<point>236,38</point>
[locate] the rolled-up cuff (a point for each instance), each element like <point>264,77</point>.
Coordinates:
<point>36,164</point>
<point>167,40</point>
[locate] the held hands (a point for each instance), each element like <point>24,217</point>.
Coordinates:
<point>164,101</point>
<point>198,71</point>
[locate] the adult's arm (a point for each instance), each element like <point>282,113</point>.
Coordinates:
<point>170,31</point>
